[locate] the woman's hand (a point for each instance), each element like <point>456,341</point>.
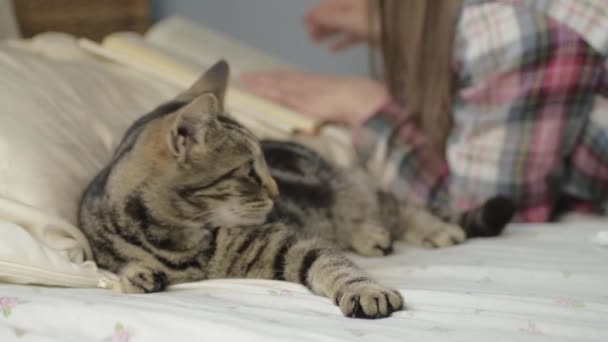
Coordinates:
<point>341,23</point>
<point>346,100</point>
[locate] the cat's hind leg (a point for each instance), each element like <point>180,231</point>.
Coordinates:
<point>421,228</point>
<point>371,239</point>
<point>488,220</point>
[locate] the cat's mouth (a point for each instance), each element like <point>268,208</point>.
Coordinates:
<point>251,214</point>
<point>262,208</point>
<point>246,218</point>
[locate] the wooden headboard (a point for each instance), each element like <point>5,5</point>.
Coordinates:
<point>93,19</point>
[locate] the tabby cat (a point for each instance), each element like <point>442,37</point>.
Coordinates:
<point>188,195</point>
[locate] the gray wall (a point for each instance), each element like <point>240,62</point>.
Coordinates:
<point>272,25</point>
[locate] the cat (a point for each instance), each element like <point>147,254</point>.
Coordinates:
<point>188,195</point>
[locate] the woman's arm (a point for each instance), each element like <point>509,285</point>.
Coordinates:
<point>399,155</point>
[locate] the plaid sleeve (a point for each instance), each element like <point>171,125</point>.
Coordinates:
<point>587,176</point>
<point>396,152</point>
<point>529,85</point>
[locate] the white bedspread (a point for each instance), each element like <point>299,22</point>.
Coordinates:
<point>535,283</point>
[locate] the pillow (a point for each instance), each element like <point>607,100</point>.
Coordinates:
<point>8,23</point>
<point>61,117</point>
<point>60,122</point>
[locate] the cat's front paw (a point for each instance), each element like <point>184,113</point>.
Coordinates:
<point>135,278</point>
<point>368,300</point>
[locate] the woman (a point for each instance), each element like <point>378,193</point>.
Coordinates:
<point>479,98</point>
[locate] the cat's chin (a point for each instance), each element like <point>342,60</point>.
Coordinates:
<point>243,221</point>
<point>252,222</point>
<point>228,218</point>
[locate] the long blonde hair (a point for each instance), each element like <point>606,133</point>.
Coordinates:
<point>415,42</point>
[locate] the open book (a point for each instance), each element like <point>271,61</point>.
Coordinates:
<point>179,51</point>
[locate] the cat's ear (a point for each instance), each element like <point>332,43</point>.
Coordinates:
<point>186,125</point>
<point>213,81</point>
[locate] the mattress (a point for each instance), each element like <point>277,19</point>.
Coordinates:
<point>535,283</point>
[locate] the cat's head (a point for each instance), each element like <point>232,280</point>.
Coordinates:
<point>195,163</point>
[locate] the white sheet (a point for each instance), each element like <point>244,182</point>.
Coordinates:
<point>536,283</point>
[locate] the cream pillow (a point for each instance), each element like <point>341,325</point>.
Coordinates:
<point>59,123</point>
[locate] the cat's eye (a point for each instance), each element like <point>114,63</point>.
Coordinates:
<point>252,174</point>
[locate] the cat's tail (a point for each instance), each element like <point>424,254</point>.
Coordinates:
<point>489,219</point>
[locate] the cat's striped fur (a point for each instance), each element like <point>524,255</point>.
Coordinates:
<point>188,193</point>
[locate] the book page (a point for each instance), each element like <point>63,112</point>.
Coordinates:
<point>131,50</point>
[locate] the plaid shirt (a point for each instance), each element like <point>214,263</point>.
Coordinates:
<point>530,116</point>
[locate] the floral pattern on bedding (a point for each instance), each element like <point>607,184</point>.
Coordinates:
<point>571,303</point>
<point>531,329</point>
<point>7,304</point>
<point>121,334</point>
<point>281,293</point>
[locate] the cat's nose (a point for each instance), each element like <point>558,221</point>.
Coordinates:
<point>272,188</point>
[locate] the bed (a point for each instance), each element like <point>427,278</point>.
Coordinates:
<point>536,283</point>
<point>62,112</point>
